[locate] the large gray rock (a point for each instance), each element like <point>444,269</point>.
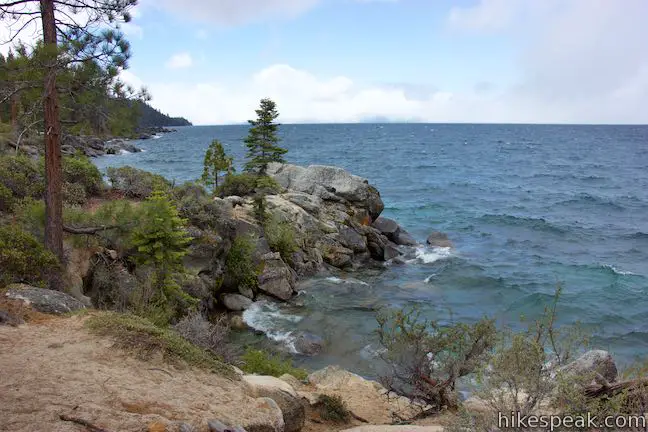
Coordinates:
<point>336,255</point>
<point>439,239</point>
<point>277,279</point>
<point>329,183</point>
<point>44,300</point>
<point>352,240</point>
<point>294,413</point>
<point>311,203</point>
<point>236,302</point>
<point>394,232</point>
<point>404,238</point>
<point>390,252</point>
<point>591,363</point>
<point>386,226</point>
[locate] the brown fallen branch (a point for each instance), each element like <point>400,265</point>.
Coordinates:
<point>89,230</point>
<point>608,390</point>
<point>357,417</point>
<point>89,426</point>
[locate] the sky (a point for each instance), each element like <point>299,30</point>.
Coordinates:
<point>483,61</point>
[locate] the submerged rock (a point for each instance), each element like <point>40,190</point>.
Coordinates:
<point>44,300</point>
<point>439,239</point>
<point>309,344</point>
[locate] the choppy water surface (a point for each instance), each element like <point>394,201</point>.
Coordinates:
<point>526,206</point>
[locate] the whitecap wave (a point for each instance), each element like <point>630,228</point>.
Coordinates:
<point>267,318</point>
<point>124,152</point>
<point>337,280</point>
<point>429,278</point>
<point>617,271</point>
<point>429,256</point>
<point>156,136</point>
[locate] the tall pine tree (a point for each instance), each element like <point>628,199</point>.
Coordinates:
<point>262,140</point>
<point>72,31</point>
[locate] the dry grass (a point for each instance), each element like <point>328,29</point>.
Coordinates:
<point>140,336</point>
<point>19,310</point>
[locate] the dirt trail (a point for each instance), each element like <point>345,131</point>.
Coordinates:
<point>57,368</point>
<point>53,366</point>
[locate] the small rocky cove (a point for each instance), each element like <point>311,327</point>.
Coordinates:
<point>338,230</point>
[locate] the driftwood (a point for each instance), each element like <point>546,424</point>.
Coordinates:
<point>89,426</point>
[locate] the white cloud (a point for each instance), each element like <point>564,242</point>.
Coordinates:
<point>303,96</point>
<point>180,61</point>
<point>235,12</point>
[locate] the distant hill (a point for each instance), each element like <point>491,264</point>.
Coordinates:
<point>150,117</point>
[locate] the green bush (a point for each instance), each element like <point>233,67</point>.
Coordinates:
<point>79,170</point>
<point>198,207</point>
<point>281,238</point>
<point>333,408</point>
<point>23,258</point>
<point>136,183</point>
<point>240,266</point>
<point>74,194</point>
<point>426,359</point>
<point>22,176</point>
<point>263,363</point>
<point>142,337</point>
<point>237,185</point>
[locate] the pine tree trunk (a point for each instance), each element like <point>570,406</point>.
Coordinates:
<point>53,172</point>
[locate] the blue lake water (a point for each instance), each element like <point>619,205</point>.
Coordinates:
<point>526,206</point>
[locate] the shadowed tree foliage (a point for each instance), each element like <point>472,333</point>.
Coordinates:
<point>74,34</point>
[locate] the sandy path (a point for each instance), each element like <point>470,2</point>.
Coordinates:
<point>57,367</point>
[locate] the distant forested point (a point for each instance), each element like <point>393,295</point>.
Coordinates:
<point>150,117</point>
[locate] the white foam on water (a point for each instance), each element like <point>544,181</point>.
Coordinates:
<point>429,278</point>
<point>156,136</point>
<point>617,271</point>
<point>124,152</point>
<point>267,318</point>
<point>429,256</point>
<point>337,280</point>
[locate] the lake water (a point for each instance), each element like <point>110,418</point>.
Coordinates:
<point>526,206</point>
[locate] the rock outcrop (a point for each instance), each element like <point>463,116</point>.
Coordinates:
<point>590,364</point>
<point>330,184</point>
<point>293,411</point>
<point>93,146</point>
<point>334,219</point>
<point>44,300</point>
<point>365,398</point>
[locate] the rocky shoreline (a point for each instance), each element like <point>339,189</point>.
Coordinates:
<point>92,146</point>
